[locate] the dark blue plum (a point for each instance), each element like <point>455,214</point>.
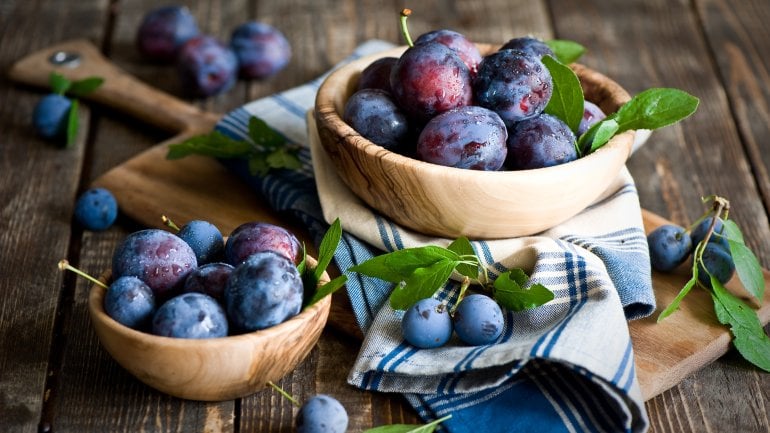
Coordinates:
<point>529,45</point>
<point>164,30</point>
<point>159,258</point>
<point>374,115</point>
<point>205,239</point>
<point>322,414</point>
<point>210,279</point>
<point>429,79</point>
<point>467,137</point>
<point>263,291</point>
<point>591,114</point>
<point>190,315</point>
<point>377,74</point>
<point>261,49</point>
<point>699,232</point>
<point>543,141</point>
<point>254,237</point>
<point>427,324</point>
<point>670,246</point>
<point>719,263</point>
<point>513,84</point>
<point>96,209</point>
<point>130,301</point>
<point>478,320</point>
<point>49,117</point>
<point>206,66</point>
<point>458,43</point>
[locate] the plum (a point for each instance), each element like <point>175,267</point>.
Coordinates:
<point>206,67</point>
<point>210,279</point>
<point>164,30</point>
<point>254,237</point>
<point>719,263</point>
<point>374,115</point>
<point>205,239</point>
<point>529,45</point>
<point>458,43</point>
<point>377,74</point>
<point>261,49</point>
<point>478,320</point>
<point>96,209</point>
<point>542,141</point>
<point>130,301</point>
<point>322,414</point>
<point>591,114</point>
<point>670,246</point>
<point>190,315</point>
<point>49,118</point>
<point>427,324</point>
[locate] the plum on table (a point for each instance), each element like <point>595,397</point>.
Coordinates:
<point>96,209</point>
<point>261,49</point>
<point>670,246</point>
<point>206,66</point>
<point>719,263</point>
<point>164,30</point>
<point>49,117</point>
<point>322,414</point>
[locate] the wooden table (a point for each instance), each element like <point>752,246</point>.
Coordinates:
<point>54,375</point>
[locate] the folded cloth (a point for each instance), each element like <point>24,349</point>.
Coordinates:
<point>565,366</point>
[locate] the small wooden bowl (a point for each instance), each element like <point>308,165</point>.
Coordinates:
<point>453,202</point>
<point>213,369</point>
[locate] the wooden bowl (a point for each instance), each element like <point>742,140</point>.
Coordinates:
<point>214,369</point>
<point>452,202</point>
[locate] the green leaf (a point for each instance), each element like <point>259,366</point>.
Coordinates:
<point>655,108</point>
<point>597,136</point>
<point>327,289</point>
<point>421,284</point>
<point>328,247</point>
<point>731,231</point>
<point>674,305</point>
<point>511,294</point>
<point>397,266</point>
<point>85,86</point>
<point>283,158</point>
<point>302,265</point>
<point>463,247</point>
<point>258,165</point>
<point>408,428</point>
<point>566,101</point>
<point>748,268</point>
<point>566,51</point>
<point>58,83</point>
<point>749,337</point>
<point>72,124</point>
<point>263,135</point>
<point>214,144</point>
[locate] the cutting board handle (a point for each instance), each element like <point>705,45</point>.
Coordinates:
<point>120,90</point>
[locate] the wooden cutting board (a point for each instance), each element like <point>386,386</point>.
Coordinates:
<point>148,186</point>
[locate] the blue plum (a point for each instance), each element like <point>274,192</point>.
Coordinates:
<point>263,291</point>
<point>478,320</point>
<point>206,67</point>
<point>322,414</point>
<point>261,49</point>
<point>254,237</point>
<point>513,84</point>
<point>96,209</point>
<point>159,258</point>
<point>670,246</point>
<point>427,324</point>
<point>164,30</point>
<point>591,114</point>
<point>699,232</point>
<point>542,141</point>
<point>429,79</point>
<point>718,261</point>
<point>458,43</point>
<point>377,74</point>
<point>529,45</point>
<point>190,315</point>
<point>49,117</point>
<point>205,239</point>
<point>130,301</point>
<point>468,137</point>
<point>210,279</point>
<point>374,115</point>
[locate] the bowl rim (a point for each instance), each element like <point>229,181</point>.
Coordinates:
<point>326,107</point>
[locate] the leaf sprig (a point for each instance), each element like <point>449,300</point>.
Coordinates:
<point>421,271</point>
<point>312,275</point>
<point>748,336</point>
<point>651,109</point>
<point>60,85</point>
<point>265,150</point>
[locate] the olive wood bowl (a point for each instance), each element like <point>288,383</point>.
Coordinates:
<point>452,202</point>
<point>214,369</point>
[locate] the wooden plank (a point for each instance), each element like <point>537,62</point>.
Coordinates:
<point>679,165</point>
<point>38,183</point>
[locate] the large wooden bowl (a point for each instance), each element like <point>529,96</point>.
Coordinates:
<point>213,369</point>
<point>453,202</point>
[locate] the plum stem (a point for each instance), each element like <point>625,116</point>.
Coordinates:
<point>167,221</point>
<point>284,393</point>
<point>404,30</point>
<point>64,265</point>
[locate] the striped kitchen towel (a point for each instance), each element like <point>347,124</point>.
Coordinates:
<point>567,366</point>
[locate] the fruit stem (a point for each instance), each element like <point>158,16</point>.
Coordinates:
<point>64,265</point>
<point>463,288</point>
<point>404,30</point>
<point>284,393</point>
<point>167,221</point>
